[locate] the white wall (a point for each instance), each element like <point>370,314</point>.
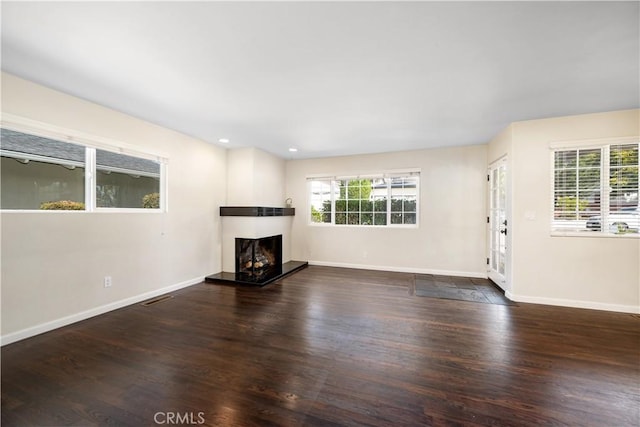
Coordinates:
<point>450,239</point>
<point>592,272</point>
<point>53,264</point>
<point>254,178</point>
<point>500,145</point>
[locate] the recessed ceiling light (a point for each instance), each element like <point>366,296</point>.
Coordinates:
<point>293,150</point>
<point>223,140</point>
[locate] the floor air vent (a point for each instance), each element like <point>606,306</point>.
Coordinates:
<point>157,300</point>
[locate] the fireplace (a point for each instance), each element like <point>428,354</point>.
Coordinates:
<point>258,262</point>
<point>259,259</point>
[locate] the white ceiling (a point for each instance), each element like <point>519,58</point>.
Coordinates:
<point>332,78</point>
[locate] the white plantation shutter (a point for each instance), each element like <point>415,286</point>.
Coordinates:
<point>623,176</point>
<point>595,189</point>
<point>577,183</point>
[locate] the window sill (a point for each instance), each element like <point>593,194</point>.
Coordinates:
<point>379,227</point>
<point>59,211</point>
<point>596,234</point>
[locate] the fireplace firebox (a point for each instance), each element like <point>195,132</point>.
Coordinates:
<point>259,259</point>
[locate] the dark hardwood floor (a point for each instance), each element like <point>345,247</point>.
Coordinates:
<point>328,346</point>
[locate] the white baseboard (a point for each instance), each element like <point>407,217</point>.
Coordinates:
<point>474,274</point>
<point>593,305</point>
<point>83,315</point>
<point>64,321</point>
<point>483,275</point>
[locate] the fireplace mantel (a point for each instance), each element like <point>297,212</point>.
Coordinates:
<point>255,211</point>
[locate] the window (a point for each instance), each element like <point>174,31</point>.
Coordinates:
<point>126,182</point>
<point>355,204</point>
<point>403,199</point>
<point>39,173</point>
<point>36,172</point>
<point>595,190</point>
<point>376,200</point>
<point>321,199</point>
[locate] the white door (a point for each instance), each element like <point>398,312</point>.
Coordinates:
<point>498,226</point>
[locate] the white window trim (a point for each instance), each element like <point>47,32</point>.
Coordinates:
<point>90,180</point>
<point>46,130</point>
<point>386,173</point>
<point>592,143</point>
<point>594,234</point>
<point>91,143</point>
<point>603,144</point>
<point>363,175</point>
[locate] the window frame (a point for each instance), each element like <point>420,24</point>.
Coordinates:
<point>605,174</point>
<point>91,143</point>
<point>387,175</point>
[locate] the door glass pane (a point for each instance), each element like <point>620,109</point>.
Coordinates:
<point>497,217</point>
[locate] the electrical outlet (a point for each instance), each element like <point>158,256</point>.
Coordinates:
<point>107,281</point>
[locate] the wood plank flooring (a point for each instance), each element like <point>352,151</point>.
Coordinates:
<point>328,346</point>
